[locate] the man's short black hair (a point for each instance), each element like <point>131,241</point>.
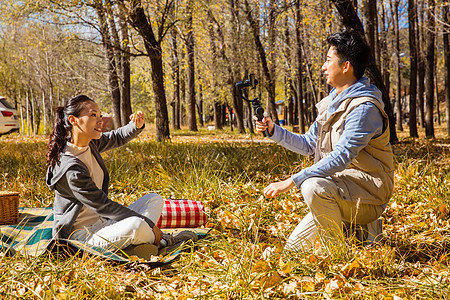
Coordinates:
<point>351,46</point>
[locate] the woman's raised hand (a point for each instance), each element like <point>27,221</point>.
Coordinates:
<point>138,119</point>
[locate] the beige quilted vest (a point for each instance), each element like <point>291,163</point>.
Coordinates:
<point>370,176</point>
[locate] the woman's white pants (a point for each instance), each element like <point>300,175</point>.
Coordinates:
<point>109,234</point>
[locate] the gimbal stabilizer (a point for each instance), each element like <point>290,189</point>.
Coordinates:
<point>257,108</point>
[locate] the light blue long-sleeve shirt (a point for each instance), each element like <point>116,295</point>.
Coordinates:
<point>362,124</point>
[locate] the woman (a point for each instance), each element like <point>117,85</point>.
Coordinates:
<point>77,173</point>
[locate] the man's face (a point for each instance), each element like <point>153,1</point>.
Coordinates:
<point>332,70</point>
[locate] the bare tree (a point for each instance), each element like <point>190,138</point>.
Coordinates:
<point>446,39</point>
<point>237,101</point>
<point>270,81</point>
<point>139,21</point>
<point>113,78</point>
<point>412,17</point>
<point>429,71</point>
<point>176,80</point>
<point>398,90</point>
<point>384,48</point>
<point>421,63</point>
<point>125,69</point>
<point>190,49</point>
<point>299,67</point>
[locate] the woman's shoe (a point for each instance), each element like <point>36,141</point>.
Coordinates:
<point>144,251</point>
<point>170,242</point>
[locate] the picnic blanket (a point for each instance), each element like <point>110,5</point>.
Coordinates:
<point>33,235</point>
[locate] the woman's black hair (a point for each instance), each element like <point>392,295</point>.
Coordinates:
<point>62,130</point>
<point>351,46</point>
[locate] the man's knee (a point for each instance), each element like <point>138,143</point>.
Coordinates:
<point>317,189</point>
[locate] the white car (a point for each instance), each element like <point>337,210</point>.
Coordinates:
<point>9,118</point>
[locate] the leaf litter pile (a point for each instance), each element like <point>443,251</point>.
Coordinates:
<point>242,257</point>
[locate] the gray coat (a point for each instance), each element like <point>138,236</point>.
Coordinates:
<point>74,186</point>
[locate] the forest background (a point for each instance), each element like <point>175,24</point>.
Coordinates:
<point>178,61</point>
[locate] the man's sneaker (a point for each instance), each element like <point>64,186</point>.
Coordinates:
<point>144,251</point>
<point>171,242</point>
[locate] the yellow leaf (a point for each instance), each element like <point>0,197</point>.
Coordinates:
<point>308,286</point>
<point>443,210</point>
<point>312,258</point>
<point>287,268</point>
<point>352,269</point>
<point>272,280</point>
<point>260,267</point>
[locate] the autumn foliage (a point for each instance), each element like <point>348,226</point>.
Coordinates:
<point>242,257</point>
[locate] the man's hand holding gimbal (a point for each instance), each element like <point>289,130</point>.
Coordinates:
<point>265,123</point>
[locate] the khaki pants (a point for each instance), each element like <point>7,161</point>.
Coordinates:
<point>327,212</point>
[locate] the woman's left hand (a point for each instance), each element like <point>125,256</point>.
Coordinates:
<point>138,119</point>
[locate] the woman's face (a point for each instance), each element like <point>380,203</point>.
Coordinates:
<point>87,126</point>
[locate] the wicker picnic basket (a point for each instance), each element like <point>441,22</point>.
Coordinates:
<point>9,208</point>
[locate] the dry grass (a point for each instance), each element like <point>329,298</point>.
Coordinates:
<point>243,257</point>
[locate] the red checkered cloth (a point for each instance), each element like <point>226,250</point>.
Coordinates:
<point>182,214</point>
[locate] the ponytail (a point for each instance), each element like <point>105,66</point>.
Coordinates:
<point>62,130</point>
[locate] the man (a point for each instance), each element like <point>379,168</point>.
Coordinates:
<point>351,179</point>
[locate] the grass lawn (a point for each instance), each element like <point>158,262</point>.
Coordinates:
<point>243,257</point>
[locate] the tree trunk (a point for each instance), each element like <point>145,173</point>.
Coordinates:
<point>139,21</point>
<point>218,122</point>
<point>398,91</point>
<point>446,39</point>
<point>351,20</point>
<point>271,107</point>
<point>218,115</point>
<point>299,60</point>
<point>200,104</point>
<point>384,50</point>
<point>291,108</point>
<point>370,16</point>
<point>270,82</point>
<point>412,17</point>
<point>250,118</point>
<point>113,79</point>
<point>125,70</point>
<point>421,64</point>
<point>429,71</point>
<point>176,81</point>
<point>236,99</point>
<point>190,47</point>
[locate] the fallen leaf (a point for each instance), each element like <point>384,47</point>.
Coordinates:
<point>352,269</point>
<point>308,286</point>
<point>312,258</point>
<point>272,280</point>
<point>261,266</point>
<point>319,278</point>
<point>287,267</point>
<point>443,209</point>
